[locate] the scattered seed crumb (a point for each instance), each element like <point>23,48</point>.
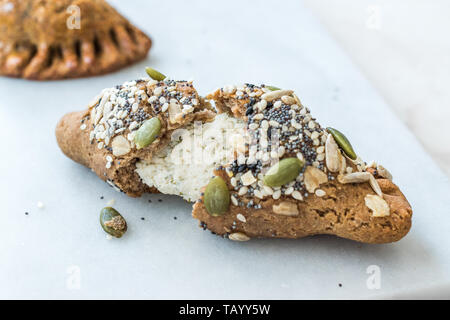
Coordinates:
<point>40,205</point>
<point>142,218</point>
<point>340,285</point>
<point>111,202</point>
<point>174,218</point>
<point>101,198</point>
<point>26,213</point>
<point>108,237</point>
<point>149,201</point>
<point>159,200</point>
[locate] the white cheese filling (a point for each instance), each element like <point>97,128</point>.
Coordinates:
<point>187,163</point>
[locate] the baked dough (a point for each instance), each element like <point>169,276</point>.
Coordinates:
<point>333,194</point>
<point>36,42</point>
<point>89,137</point>
<point>333,208</point>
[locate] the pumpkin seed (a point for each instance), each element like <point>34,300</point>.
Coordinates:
<point>217,197</point>
<point>112,222</point>
<point>147,133</point>
<point>283,172</point>
<point>154,74</point>
<point>272,88</point>
<point>343,142</point>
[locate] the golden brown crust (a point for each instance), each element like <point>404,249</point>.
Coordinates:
<point>77,145</point>
<point>36,43</point>
<point>342,212</point>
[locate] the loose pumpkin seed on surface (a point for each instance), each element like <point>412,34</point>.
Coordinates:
<point>217,197</point>
<point>147,133</point>
<point>154,74</point>
<point>283,172</point>
<point>343,142</point>
<point>112,222</point>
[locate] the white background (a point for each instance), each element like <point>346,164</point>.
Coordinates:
<point>403,48</point>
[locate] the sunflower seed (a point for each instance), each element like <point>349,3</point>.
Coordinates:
<point>313,178</point>
<point>288,100</point>
<point>357,177</point>
<point>375,186</point>
<point>383,172</point>
<point>342,164</point>
<point>238,236</point>
<point>120,146</point>
<point>286,208</point>
<point>273,95</point>
<point>332,154</point>
<point>378,205</point>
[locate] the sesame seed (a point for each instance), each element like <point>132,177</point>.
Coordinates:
<point>320,193</point>
<point>297,195</point>
<point>234,200</point>
<point>242,191</point>
<point>276,195</point>
<point>289,191</point>
<point>158,91</point>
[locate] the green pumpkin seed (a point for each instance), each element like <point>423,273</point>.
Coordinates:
<point>147,133</point>
<point>154,74</point>
<point>112,222</point>
<point>272,88</point>
<point>343,142</point>
<point>283,172</point>
<point>217,197</point>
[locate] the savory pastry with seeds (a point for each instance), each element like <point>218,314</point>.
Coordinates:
<point>48,40</point>
<point>258,166</point>
<point>296,178</point>
<point>125,126</point>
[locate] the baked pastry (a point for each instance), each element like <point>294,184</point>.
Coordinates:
<point>335,192</point>
<point>40,39</point>
<point>260,167</point>
<point>103,137</point>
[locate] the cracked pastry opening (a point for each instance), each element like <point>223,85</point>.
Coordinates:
<point>187,163</point>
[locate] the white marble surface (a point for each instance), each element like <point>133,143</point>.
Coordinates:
<point>403,48</point>
<point>60,251</point>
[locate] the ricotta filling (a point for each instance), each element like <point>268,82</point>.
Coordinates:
<point>187,163</point>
